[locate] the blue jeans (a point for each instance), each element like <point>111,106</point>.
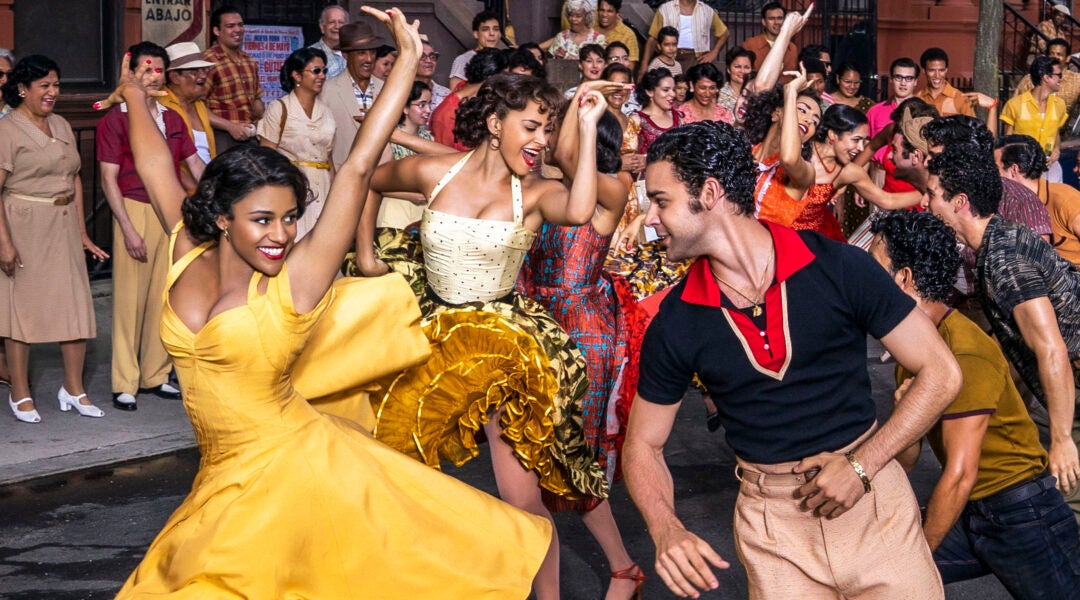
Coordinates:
<point>1025,535</point>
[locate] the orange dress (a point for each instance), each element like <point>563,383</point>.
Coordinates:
<point>776,205</point>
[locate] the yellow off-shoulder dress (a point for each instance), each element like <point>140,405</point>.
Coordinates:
<point>292,502</point>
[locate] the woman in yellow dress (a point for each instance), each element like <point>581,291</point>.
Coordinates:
<point>290,502</point>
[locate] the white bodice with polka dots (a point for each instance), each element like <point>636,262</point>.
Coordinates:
<point>470,260</point>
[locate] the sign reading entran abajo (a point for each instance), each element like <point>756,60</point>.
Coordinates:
<point>166,22</point>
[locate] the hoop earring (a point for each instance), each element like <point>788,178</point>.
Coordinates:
<point>494,142</point>
<point>225,234</point>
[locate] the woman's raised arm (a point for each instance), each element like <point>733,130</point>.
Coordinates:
<point>317,258</point>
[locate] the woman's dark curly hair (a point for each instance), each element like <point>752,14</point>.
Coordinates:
<point>923,243</point>
<point>709,149</point>
<point>296,63</point>
<point>27,71</point>
<point>229,178</point>
<point>500,94</point>
<point>608,142</point>
<point>484,64</point>
<point>759,110</point>
<point>648,83</point>
<point>839,119</point>
<point>520,57</point>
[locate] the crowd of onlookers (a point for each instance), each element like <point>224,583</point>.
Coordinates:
<point>828,159</point>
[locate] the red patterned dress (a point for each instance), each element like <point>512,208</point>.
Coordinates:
<point>564,272</point>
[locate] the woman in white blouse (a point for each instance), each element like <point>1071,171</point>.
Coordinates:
<point>301,127</point>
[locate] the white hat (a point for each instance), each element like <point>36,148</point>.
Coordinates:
<point>1062,9</point>
<point>186,55</point>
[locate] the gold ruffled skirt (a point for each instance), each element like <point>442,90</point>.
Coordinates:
<point>506,357</point>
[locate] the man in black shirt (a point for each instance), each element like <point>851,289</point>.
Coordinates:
<point>1030,294</point>
<point>774,322</point>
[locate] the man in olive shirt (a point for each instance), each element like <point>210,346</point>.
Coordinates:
<point>995,507</point>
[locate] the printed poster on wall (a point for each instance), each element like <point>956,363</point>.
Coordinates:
<point>270,45</point>
<point>166,22</point>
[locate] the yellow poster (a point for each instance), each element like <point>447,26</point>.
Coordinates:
<point>166,22</point>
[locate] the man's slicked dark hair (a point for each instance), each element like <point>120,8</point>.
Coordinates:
<point>965,169</point>
<point>934,54</point>
<point>1041,67</point>
<point>926,245</point>
<point>147,50</point>
<point>1059,42</point>
<point>771,6</point>
<point>705,149</point>
<point>1024,152</point>
<point>903,62</point>
<point>224,9</point>
<point>483,17</point>
<point>958,129</point>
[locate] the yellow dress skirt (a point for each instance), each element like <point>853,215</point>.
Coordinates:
<point>291,502</point>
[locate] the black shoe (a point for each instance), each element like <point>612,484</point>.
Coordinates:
<point>164,390</point>
<point>712,421</point>
<point>124,401</point>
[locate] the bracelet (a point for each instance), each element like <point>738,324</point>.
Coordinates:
<point>855,464</point>
<point>994,104</point>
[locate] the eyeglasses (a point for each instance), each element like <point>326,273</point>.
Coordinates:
<point>318,71</point>
<point>904,78</point>
<point>5,73</point>
<point>434,56</point>
<point>194,72</point>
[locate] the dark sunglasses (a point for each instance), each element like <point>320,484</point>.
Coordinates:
<point>317,71</point>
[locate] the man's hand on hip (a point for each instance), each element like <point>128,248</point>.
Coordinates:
<point>834,490</point>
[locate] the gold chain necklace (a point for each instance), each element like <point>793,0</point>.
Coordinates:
<point>757,303</point>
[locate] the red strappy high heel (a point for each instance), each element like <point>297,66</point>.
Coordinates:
<point>634,573</point>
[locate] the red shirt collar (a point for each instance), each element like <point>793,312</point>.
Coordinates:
<point>791,255</point>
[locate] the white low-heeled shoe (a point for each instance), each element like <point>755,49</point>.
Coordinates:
<point>68,402</point>
<point>26,416</point>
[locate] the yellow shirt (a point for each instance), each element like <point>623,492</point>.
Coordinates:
<point>1069,90</point>
<point>622,33</point>
<point>1011,452</point>
<point>1022,113</point>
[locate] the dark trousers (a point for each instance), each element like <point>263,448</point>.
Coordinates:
<point>1025,535</point>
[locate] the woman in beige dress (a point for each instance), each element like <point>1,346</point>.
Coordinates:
<point>301,127</point>
<point>44,289</point>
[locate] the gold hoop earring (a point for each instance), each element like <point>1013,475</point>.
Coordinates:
<point>494,142</point>
<point>225,234</point>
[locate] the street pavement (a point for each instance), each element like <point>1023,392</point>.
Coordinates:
<point>81,498</point>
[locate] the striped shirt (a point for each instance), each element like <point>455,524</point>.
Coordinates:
<point>1016,265</point>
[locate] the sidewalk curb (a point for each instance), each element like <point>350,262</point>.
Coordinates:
<point>96,458</point>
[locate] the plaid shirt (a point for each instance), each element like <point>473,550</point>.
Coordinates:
<point>1015,266</point>
<point>234,85</point>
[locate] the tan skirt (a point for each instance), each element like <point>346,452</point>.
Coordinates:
<point>48,300</point>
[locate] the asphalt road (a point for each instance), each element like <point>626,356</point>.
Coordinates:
<point>79,536</point>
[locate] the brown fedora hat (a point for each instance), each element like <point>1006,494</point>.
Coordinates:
<point>360,36</point>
